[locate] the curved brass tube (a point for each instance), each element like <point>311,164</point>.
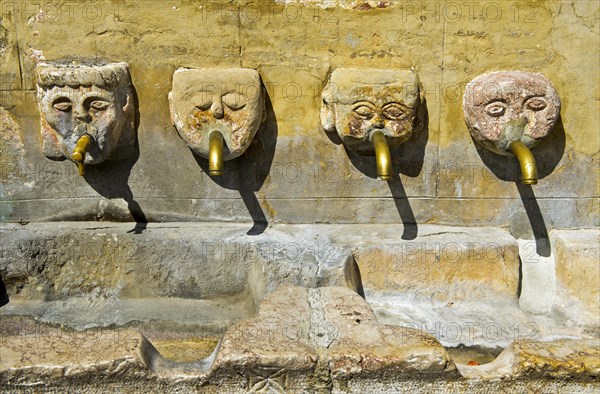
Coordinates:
<point>81,148</point>
<point>215,153</point>
<point>526,161</point>
<point>382,155</point>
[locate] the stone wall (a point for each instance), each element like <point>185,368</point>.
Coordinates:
<point>293,172</point>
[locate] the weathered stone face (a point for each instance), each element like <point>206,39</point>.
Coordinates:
<point>358,102</point>
<point>227,100</point>
<point>76,100</point>
<point>502,107</point>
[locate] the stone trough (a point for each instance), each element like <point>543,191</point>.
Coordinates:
<point>299,308</point>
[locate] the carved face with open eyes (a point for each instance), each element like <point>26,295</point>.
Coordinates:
<point>494,103</point>
<point>230,101</point>
<point>78,100</point>
<point>358,102</point>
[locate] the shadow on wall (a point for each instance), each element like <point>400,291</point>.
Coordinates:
<point>407,160</point>
<point>534,214</point>
<point>248,172</point>
<point>3,293</point>
<point>547,156</point>
<point>116,184</point>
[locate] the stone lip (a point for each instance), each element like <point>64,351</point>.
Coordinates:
<point>305,340</point>
<point>564,358</point>
<point>28,360</point>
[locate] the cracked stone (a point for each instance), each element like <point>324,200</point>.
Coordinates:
<point>326,334</point>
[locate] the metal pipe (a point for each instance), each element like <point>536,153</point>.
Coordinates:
<point>526,161</point>
<point>382,156</point>
<point>215,153</point>
<point>81,148</point>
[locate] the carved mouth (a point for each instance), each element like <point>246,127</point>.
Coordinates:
<point>95,153</point>
<point>371,130</point>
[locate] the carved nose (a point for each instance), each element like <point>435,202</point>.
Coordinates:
<point>81,114</point>
<point>519,114</point>
<point>377,121</point>
<point>524,118</point>
<point>217,109</point>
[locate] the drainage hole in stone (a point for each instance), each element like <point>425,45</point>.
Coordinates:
<point>185,349</point>
<point>473,355</point>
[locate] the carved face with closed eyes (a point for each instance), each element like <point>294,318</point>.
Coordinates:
<point>493,103</point>
<point>78,99</point>
<point>230,101</point>
<point>358,102</point>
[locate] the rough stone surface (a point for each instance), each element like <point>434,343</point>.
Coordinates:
<point>557,359</point>
<point>57,261</point>
<point>221,273</point>
<point>538,279</point>
<point>273,349</point>
<point>293,173</point>
<point>331,335</point>
<point>28,360</point>
<point>361,346</point>
<point>448,264</point>
<point>11,150</point>
<point>298,175</point>
<point>503,107</point>
<point>77,99</point>
<point>10,76</point>
<point>462,285</point>
<point>577,254</point>
<point>324,340</point>
<point>230,101</point>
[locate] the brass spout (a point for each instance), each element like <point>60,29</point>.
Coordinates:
<point>526,161</point>
<point>81,148</point>
<point>382,155</point>
<point>215,153</point>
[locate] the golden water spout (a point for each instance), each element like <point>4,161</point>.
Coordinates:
<point>526,161</point>
<point>215,153</point>
<point>81,148</point>
<point>382,156</point>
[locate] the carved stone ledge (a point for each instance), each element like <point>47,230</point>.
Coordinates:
<point>564,358</point>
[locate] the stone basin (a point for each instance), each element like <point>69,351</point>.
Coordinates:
<point>192,294</point>
<point>85,275</point>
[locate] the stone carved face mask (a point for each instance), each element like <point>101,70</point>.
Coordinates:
<point>230,101</point>
<point>79,99</point>
<point>502,107</point>
<point>358,102</point>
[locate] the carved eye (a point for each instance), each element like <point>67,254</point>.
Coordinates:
<point>204,106</point>
<point>62,104</point>
<point>364,111</point>
<point>535,104</point>
<point>495,109</point>
<point>99,105</point>
<point>234,101</point>
<point>394,111</point>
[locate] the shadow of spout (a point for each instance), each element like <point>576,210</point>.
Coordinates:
<point>3,293</point>
<point>534,214</point>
